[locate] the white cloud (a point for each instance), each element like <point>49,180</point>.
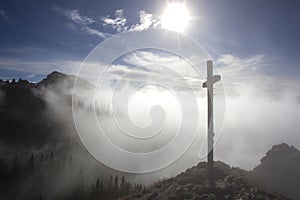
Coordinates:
<point>255,121</point>
<point>75,16</point>
<point>164,68</point>
<point>143,58</point>
<point>236,63</point>
<point>147,20</point>
<point>82,21</point>
<point>238,72</point>
<point>118,22</point>
<point>39,67</point>
<point>166,59</point>
<point>21,50</point>
<point>96,32</point>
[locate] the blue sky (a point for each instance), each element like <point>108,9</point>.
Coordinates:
<point>38,37</point>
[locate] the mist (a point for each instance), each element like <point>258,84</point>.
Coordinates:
<point>255,121</point>
<point>252,113</point>
<point>243,133</point>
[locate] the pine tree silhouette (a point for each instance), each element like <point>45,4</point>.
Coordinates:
<point>123,186</point>
<point>110,189</point>
<point>116,186</point>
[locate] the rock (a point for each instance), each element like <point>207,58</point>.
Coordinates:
<point>153,195</point>
<point>193,184</point>
<point>279,171</point>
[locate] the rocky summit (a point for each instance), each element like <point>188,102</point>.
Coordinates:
<point>279,171</point>
<point>192,184</point>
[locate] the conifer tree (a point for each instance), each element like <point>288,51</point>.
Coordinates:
<point>116,186</point>
<point>110,187</point>
<point>123,186</point>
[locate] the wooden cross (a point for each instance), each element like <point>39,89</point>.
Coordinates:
<point>211,79</point>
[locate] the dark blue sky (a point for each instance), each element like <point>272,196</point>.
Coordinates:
<point>38,37</point>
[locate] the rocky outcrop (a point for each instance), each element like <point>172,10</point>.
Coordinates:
<point>193,184</point>
<point>279,171</point>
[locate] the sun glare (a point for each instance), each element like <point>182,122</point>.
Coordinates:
<point>175,17</point>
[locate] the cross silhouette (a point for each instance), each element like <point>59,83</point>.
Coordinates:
<point>211,79</point>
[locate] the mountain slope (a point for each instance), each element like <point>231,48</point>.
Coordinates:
<point>40,152</point>
<point>279,171</point>
<point>193,184</point>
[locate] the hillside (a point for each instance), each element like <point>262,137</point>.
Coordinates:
<point>41,156</point>
<point>279,171</point>
<point>192,184</point>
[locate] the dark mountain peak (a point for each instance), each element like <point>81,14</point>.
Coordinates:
<point>282,148</point>
<point>61,80</point>
<point>193,184</point>
<point>281,154</point>
<point>54,78</point>
<point>56,74</point>
<point>279,170</point>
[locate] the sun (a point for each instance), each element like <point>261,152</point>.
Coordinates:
<point>175,17</point>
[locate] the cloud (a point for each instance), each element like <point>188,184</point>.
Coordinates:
<point>142,58</point>
<point>237,71</point>
<point>165,59</point>
<point>92,31</point>
<point>162,67</point>
<point>42,67</point>
<point>21,50</point>
<point>229,59</point>
<point>118,22</point>
<point>74,15</point>
<point>147,20</point>
<point>255,121</point>
<point>82,21</point>
<point>231,63</point>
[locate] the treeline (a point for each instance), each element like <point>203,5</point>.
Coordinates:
<point>31,171</point>
<point>114,189</point>
<point>41,173</point>
<point>41,157</point>
<point>13,166</point>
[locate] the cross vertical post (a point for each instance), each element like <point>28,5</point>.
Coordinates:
<point>211,79</point>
